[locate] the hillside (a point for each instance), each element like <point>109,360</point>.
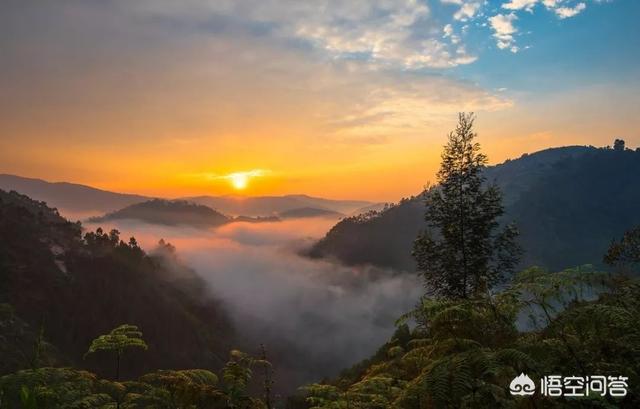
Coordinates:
<point>304,212</point>
<point>82,201</point>
<point>74,287</point>
<point>269,205</point>
<point>569,203</point>
<point>69,197</point>
<point>168,212</point>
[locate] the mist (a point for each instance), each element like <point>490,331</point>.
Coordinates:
<point>313,316</point>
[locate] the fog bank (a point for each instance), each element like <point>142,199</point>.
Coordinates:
<point>314,316</point>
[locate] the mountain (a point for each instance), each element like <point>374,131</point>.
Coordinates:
<point>82,201</point>
<point>168,212</point>
<point>569,203</point>
<point>375,207</point>
<point>70,198</point>
<point>177,213</point>
<point>269,205</point>
<point>304,212</point>
<point>72,288</point>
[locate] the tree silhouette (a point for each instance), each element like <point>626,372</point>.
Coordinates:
<point>462,251</point>
<point>237,374</point>
<point>120,338</point>
<point>618,145</point>
<point>626,251</point>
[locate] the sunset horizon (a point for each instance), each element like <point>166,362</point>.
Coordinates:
<point>335,100</point>
<point>248,184</point>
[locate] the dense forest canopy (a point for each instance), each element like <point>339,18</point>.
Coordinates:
<point>73,287</point>
<point>568,204</point>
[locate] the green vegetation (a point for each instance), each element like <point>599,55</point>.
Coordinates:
<point>463,251</point>
<point>65,288</point>
<point>123,337</point>
<point>471,338</point>
<point>568,204</point>
<point>464,353</point>
<point>164,389</point>
<point>168,212</point>
<point>177,213</point>
<point>626,252</point>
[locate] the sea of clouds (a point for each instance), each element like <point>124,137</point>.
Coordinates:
<point>314,316</point>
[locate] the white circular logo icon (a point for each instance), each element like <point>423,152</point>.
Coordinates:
<point>522,385</point>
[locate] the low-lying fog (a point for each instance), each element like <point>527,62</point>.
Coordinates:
<point>316,317</point>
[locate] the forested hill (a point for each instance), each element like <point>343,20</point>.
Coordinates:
<point>304,212</point>
<point>569,203</point>
<point>177,213</point>
<point>70,288</point>
<point>168,212</point>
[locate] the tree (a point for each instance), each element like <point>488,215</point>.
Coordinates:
<point>120,338</point>
<point>463,250</point>
<point>626,251</point>
<point>618,145</point>
<point>189,388</point>
<point>237,374</point>
<point>268,377</point>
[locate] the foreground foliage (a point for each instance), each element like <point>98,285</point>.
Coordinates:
<point>464,353</point>
<point>123,337</point>
<point>164,389</point>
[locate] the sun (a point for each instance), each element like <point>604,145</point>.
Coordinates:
<point>239,180</point>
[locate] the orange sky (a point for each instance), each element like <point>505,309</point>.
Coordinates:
<point>117,99</point>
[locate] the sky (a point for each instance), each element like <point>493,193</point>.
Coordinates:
<point>340,99</point>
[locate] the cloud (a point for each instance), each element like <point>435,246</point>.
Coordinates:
<point>385,33</point>
<point>566,12</point>
<point>242,84</point>
<point>467,10</point>
<point>408,104</point>
<point>504,30</point>
<point>315,316</point>
<point>220,76</point>
<point>560,8</point>
<point>520,5</point>
<point>447,30</point>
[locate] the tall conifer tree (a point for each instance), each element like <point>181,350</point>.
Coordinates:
<point>464,251</point>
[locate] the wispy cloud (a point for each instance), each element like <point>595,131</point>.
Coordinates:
<point>520,5</point>
<point>467,9</point>
<point>566,12</point>
<point>231,176</point>
<point>504,30</point>
<point>399,34</point>
<point>243,84</point>
<point>503,24</point>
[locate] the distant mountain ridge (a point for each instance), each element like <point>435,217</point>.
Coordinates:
<point>270,205</point>
<point>569,203</point>
<point>84,201</point>
<point>176,213</point>
<point>72,197</point>
<point>167,212</point>
<point>305,212</point>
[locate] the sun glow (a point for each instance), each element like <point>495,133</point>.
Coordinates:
<point>239,181</point>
